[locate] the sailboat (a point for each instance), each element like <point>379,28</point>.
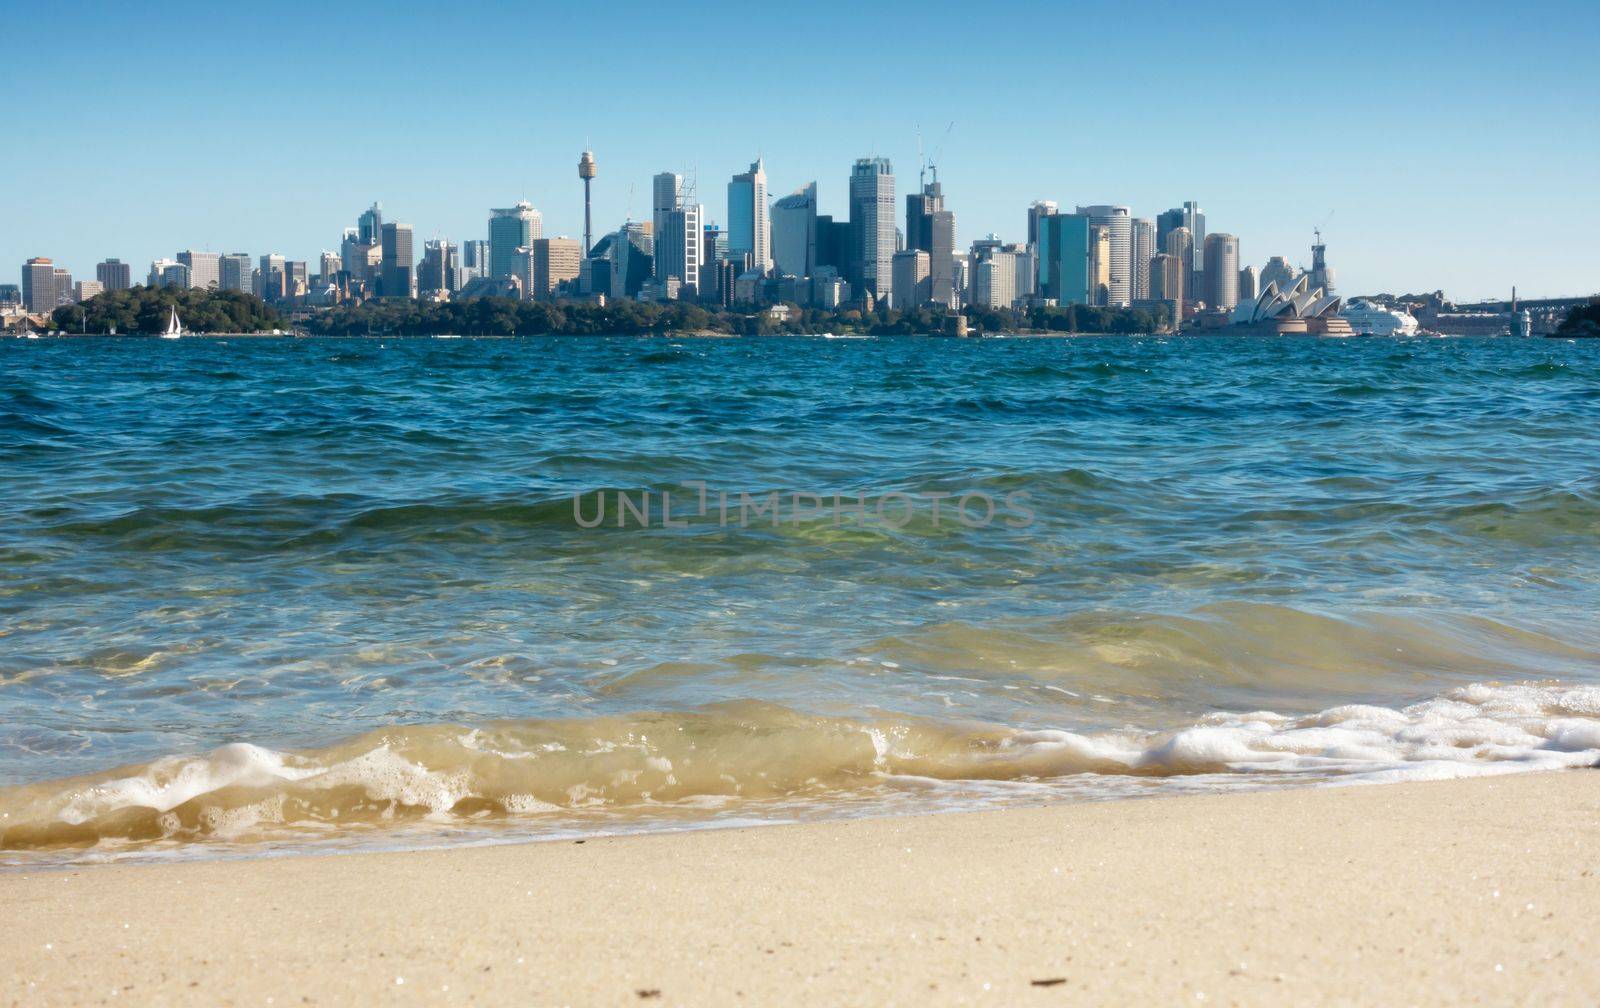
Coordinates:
<point>174,327</point>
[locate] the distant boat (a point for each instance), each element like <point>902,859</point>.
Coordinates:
<point>174,326</point>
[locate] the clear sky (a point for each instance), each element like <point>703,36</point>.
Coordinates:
<point>1438,145</point>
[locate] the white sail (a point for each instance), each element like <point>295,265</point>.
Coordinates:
<point>174,326</point>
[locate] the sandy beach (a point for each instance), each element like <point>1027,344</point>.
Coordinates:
<point>1474,891</point>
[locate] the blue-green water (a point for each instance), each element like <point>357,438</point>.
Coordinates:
<point>285,588</point>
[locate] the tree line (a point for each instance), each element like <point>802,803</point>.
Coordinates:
<point>492,316</point>
<point>147,309</point>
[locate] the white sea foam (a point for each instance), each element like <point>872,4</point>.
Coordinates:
<point>715,758</point>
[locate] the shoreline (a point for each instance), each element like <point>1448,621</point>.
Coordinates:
<point>1432,893</point>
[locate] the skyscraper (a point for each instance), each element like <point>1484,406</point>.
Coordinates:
<point>1166,278</point>
<point>39,285</point>
<point>1179,244</point>
<point>114,275</point>
<point>666,195</point>
<point>677,248</point>
<point>1249,285</point>
<point>794,232</point>
<point>1062,244</point>
<point>271,281</point>
<point>204,269</point>
<point>1222,271</point>
<point>439,268</point>
<point>932,228</point>
<point>1144,248</point>
<point>587,170</point>
<point>168,273</point>
<point>369,227</point>
<point>1321,274</point>
<point>555,262</point>
<point>233,273</point>
<point>872,230</point>
<point>1195,220</point>
<point>511,228</point>
<point>399,262</point>
<point>1119,234</point>
<point>994,273</point>
<point>86,289</point>
<point>1037,209</point>
<point>749,227</point>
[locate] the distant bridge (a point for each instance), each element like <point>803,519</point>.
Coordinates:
<point>1533,304</point>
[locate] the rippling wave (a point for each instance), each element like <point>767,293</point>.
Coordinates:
<point>305,588</point>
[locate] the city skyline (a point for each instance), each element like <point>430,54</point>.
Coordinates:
<point>1473,181</point>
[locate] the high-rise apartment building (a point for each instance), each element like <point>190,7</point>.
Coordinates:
<point>1062,249</point>
<point>86,289</point>
<point>749,226</point>
<point>511,228</point>
<point>1119,233</point>
<point>114,275</point>
<point>204,269</point>
<point>1195,220</point>
<point>1222,271</point>
<point>872,230</point>
<point>399,262</point>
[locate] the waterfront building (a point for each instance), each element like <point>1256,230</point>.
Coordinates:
<point>1222,271</point>
<point>511,228</point>
<point>556,263</point>
<point>1144,248</point>
<point>994,273</point>
<point>234,273</point>
<point>910,286</point>
<point>872,227</point>
<point>1119,236</point>
<point>1299,309</point>
<point>749,223</point>
<point>794,232</point>
<point>39,293</point>
<point>114,275</point>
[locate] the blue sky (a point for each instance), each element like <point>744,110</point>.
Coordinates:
<point>1437,145</point>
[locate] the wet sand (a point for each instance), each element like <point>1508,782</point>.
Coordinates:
<point>1458,892</point>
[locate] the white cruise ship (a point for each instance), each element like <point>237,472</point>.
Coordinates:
<point>1368,319</point>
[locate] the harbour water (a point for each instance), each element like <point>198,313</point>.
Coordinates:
<point>286,594</point>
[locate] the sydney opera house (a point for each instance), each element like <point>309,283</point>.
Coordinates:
<point>1300,310</point>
